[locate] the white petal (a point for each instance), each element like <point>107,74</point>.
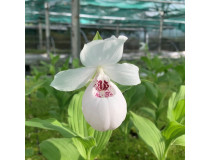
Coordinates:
<point>125,74</point>
<point>100,52</point>
<point>72,79</point>
<point>104,113</point>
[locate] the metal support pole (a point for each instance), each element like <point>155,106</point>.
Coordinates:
<point>145,33</point>
<point>117,31</point>
<point>40,35</point>
<point>75,30</point>
<point>147,38</point>
<point>160,31</point>
<point>47,25</point>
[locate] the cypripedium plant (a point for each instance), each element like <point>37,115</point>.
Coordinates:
<point>103,105</point>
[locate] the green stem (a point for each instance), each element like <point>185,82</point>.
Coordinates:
<point>165,153</point>
<point>126,137</point>
<point>89,154</point>
<point>126,142</point>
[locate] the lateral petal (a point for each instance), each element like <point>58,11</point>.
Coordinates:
<point>125,74</point>
<point>72,79</point>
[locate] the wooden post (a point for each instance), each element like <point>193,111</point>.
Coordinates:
<point>160,31</point>
<point>75,30</point>
<point>40,35</point>
<point>47,27</point>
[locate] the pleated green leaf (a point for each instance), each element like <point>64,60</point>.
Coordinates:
<point>79,125</point>
<point>63,129</point>
<point>102,138</point>
<point>75,116</point>
<point>150,134</point>
<point>179,111</point>
<point>172,113</point>
<point>149,112</point>
<point>59,149</point>
<point>51,124</point>
<point>173,131</point>
<point>180,141</point>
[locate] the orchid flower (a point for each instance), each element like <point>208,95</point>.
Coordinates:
<point>103,105</point>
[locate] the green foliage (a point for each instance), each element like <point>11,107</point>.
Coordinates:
<point>54,58</point>
<point>29,152</point>
<point>97,36</point>
<point>161,70</point>
<point>36,74</point>
<point>35,87</point>
<point>150,134</point>
<point>76,63</point>
<point>59,149</point>
<point>77,122</point>
<point>102,138</point>
<point>179,111</point>
<point>134,95</point>
<point>148,112</point>
<point>180,141</point>
<point>122,87</point>
<point>42,82</point>
<point>42,89</point>
<point>158,73</point>
<point>176,106</point>
<point>173,131</point>
<point>62,128</point>
<point>151,93</point>
<point>51,124</point>
<point>51,67</point>
<point>155,66</point>
<point>88,141</point>
<point>156,99</point>
<point>63,100</point>
<point>158,141</point>
<point>65,65</point>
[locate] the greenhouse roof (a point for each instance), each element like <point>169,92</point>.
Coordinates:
<point>122,13</point>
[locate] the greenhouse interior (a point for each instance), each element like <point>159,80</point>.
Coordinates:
<point>105,79</point>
